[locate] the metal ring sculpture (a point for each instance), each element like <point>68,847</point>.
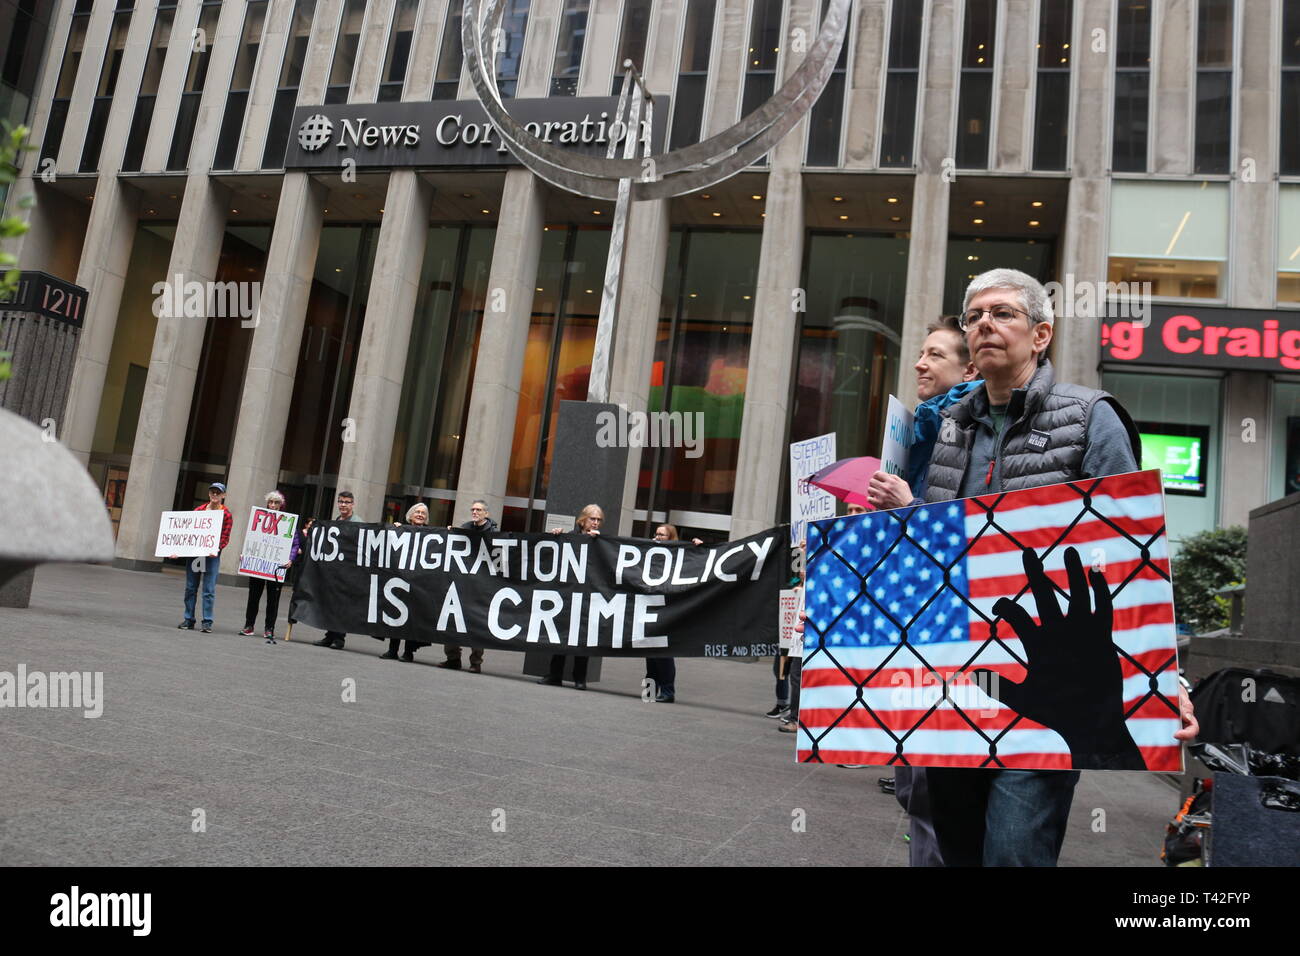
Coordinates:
<point>673,173</point>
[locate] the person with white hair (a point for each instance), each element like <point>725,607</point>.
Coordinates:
<point>1019,429</point>
<point>417,515</point>
<point>274,502</point>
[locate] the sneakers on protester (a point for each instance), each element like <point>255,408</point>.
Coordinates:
<point>788,727</point>
<point>451,664</point>
<point>246,632</point>
<point>778,712</point>
<point>185,626</point>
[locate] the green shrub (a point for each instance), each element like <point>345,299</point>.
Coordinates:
<point>1205,563</point>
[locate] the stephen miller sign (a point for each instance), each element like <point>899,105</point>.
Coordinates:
<point>450,132</point>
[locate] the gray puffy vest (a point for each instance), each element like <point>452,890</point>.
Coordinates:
<point>1059,411</point>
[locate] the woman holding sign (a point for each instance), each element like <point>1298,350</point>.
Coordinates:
<point>274,502</point>
<point>418,515</point>
<point>589,521</point>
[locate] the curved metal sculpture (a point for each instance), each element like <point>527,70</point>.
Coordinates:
<point>663,175</point>
<point>657,176</point>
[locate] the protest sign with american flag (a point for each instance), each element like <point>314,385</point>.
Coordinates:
<point>907,662</point>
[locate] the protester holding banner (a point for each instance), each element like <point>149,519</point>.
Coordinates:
<point>1019,429</point>
<point>418,515</point>
<point>662,671</point>
<point>274,502</point>
<point>346,502</point>
<point>203,571</point>
<point>481,521</point>
<point>589,522</point>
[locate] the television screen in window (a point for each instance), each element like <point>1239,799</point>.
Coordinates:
<point>1179,451</point>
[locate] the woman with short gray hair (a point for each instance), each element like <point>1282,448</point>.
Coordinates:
<point>274,502</point>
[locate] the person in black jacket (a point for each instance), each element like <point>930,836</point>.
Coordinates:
<point>589,522</point>
<point>481,522</point>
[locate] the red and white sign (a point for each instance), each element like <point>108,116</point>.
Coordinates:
<point>1192,336</point>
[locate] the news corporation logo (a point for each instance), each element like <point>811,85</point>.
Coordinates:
<point>315,132</point>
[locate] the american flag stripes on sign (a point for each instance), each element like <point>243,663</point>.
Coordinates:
<point>900,617</point>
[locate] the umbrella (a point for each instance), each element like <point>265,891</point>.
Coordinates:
<point>847,479</point>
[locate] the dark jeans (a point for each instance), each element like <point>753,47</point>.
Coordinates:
<point>794,673</point>
<point>453,653</point>
<point>663,671</point>
<point>782,683</point>
<point>255,588</point>
<point>912,790</point>
<point>1000,817</point>
<point>579,667</point>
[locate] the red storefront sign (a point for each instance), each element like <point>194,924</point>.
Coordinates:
<point>1206,337</point>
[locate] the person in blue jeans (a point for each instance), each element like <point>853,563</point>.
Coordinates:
<point>1019,429</point>
<point>202,571</point>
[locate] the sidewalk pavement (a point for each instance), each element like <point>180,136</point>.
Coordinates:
<point>216,749</point>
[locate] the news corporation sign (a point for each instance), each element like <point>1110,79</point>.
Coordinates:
<point>449,132</point>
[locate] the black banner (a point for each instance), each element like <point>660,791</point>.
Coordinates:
<point>569,593</point>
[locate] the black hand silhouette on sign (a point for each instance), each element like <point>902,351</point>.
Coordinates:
<point>1074,684</point>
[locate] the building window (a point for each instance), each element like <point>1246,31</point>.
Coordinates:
<point>108,73</point>
<point>286,94</point>
<point>72,53</point>
<point>760,63</point>
<point>327,357</point>
<point>434,407</point>
<point>849,339</point>
<point>220,375</point>
<point>345,51</point>
<point>1284,475</point>
<point>1214,60</point>
<point>561,341</point>
<point>144,103</point>
<point>513,24</point>
<point>693,74</point>
<point>1160,401</point>
<point>1288,243</point>
<point>898,124</point>
<point>632,39</point>
<point>401,34</point>
<point>1132,86</point>
<point>1289,158</point>
<point>701,364</point>
<point>827,116</point>
<point>232,123</point>
<point>1173,235</point>
<point>1052,98</point>
<point>451,55</point>
<point>568,49</point>
<point>975,101</point>
<point>196,76</point>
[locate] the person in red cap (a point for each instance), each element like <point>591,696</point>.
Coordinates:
<point>205,569</point>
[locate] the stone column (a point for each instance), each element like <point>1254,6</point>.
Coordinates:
<point>83,88</point>
<point>866,93</point>
<point>110,234</point>
<point>381,358</point>
<point>423,63</point>
<point>927,254</point>
<point>169,388</point>
<point>1252,259</point>
<point>494,397</point>
<point>600,48</point>
<point>1173,80</point>
<point>370,52</point>
<point>104,261</point>
<point>1017,56</point>
<point>171,84</point>
<point>266,79</point>
<point>771,356</point>
<point>273,358</point>
<point>727,66</point>
<point>1076,346</point>
<point>638,324</point>
<point>178,342</point>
